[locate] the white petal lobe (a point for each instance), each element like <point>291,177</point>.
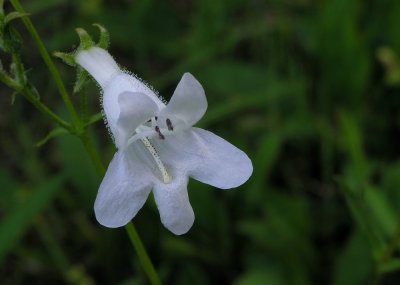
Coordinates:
<point>188,103</point>
<point>120,84</point>
<point>123,191</point>
<point>135,109</point>
<point>224,165</point>
<point>173,204</point>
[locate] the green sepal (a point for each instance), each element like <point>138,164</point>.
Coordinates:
<point>104,39</point>
<point>68,58</point>
<point>86,40</point>
<point>81,79</point>
<point>86,43</point>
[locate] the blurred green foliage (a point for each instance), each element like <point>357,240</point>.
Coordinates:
<point>309,89</point>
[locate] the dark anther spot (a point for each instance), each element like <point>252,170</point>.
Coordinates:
<point>169,125</point>
<point>160,135</point>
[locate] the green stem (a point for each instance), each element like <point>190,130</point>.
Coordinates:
<point>45,110</point>
<point>7,80</point>
<point>35,101</point>
<point>20,85</point>
<point>142,254</point>
<point>50,65</point>
<point>91,150</point>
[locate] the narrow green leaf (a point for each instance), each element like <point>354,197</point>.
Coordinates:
<point>13,226</point>
<point>362,214</point>
<point>14,15</point>
<point>94,119</point>
<point>53,133</point>
<point>268,151</point>
<point>354,146</point>
<point>384,215</point>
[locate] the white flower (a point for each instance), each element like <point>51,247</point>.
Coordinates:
<point>158,149</point>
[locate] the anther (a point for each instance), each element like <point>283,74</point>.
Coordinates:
<point>169,125</point>
<point>160,135</point>
<point>155,118</point>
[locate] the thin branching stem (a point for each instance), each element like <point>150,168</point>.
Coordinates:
<point>46,111</point>
<point>27,93</point>
<point>50,64</point>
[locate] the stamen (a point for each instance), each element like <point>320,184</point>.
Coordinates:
<point>169,125</point>
<point>160,135</point>
<point>165,175</point>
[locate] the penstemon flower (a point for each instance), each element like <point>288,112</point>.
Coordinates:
<point>158,147</point>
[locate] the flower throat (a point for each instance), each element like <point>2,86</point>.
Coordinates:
<point>149,130</point>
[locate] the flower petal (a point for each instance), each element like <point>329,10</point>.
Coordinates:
<point>173,204</point>
<point>224,165</point>
<point>135,109</point>
<point>188,103</point>
<point>206,157</point>
<point>123,190</point>
<point>184,150</point>
<point>99,63</point>
<point>122,83</point>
